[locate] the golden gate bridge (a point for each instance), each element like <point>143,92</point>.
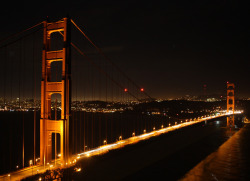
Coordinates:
<point>74,104</point>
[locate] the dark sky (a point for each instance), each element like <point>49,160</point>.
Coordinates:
<point>171,48</point>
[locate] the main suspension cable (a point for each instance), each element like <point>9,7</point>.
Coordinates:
<point>101,70</point>
<point>107,59</point>
<point>14,41</point>
<point>16,34</point>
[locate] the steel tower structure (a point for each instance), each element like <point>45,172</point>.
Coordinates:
<point>230,103</point>
<point>47,125</point>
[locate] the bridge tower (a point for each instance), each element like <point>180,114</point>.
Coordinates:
<point>47,125</point>
<point>230,103</point>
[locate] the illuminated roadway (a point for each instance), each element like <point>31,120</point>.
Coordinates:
<point>32,170</point>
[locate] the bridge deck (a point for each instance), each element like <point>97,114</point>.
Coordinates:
<point>29,171</point>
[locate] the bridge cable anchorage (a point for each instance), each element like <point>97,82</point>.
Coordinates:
<point>110,61</point>
<point>16,34</point>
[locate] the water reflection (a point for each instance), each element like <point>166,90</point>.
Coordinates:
<point>229,162</point>
<point>230,121</point>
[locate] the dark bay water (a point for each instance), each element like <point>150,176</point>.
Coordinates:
<point>230,162</point>
<point>201,142</point>
<point>167,157</point>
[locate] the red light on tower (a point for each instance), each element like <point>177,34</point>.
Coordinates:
<point>125,90</point>
<point>142,89</point>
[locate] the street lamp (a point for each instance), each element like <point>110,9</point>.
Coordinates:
<point>78,169</point>
<point>104,142</point>
<point>120,138</point>
<point>144,130</point>
<point>133,134</point>
<point>31,162</point>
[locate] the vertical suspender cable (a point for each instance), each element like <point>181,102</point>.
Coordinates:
<point>80,141</point>
<point>84,144</point>
<point>20,76</point>
<point>106,93</point>
<point>75,130</point>
<point>92,117</point>
<point>112,101</point>
<point>23,106</point>
<point>99,114</point>
<point>4,83</point>
<point>4,86</point>
<point>10,131</point>
<point>84,116</point>
<point>34,98</point>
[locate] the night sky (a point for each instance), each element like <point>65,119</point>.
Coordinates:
<point>171,48</point>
